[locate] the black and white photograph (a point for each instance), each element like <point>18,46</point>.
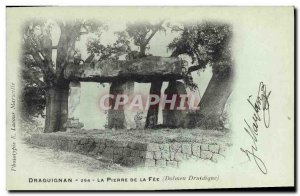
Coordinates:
<point>149,98</point>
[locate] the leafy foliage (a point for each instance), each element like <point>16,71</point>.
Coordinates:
<point>33,93</point>
<point>205,43</point>
<point>120,47</point>
<point>142,32</point>
<point>139,32</point>
<point>39,71</point>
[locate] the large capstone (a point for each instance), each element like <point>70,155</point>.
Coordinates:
<point>147,69</point>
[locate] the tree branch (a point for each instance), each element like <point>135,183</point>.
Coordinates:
<point>47,62</point>
<point>60,24</point>
<point>196,67</point>
<point>44,66</point>
<point>154,31</point>
<point>38,81</point>
<point>83,33</point>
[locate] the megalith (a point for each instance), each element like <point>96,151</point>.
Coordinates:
<point>129,114</point>
<point>116,116</point>
<point>152,114</point>
<point>73,122</point>
<point>174,117</point>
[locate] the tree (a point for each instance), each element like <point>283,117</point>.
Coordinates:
<point>142,32</point>
<point>37,56</point>
<point>111,51</point>
<point>33,99</point>
<point>206,44</point>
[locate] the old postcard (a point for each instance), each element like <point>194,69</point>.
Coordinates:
<point>149,98</point>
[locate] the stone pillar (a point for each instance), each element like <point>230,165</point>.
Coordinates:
<point>116,117</point>
<point>73,107</point>
<point>152,115</point>
<point>129,114</point>
<point>174,118</point>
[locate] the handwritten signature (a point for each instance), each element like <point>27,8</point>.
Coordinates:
<point>261,109</point>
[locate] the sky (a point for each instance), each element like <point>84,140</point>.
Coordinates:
<point>88,110</point>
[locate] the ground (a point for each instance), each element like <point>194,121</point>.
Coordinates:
<point>72,161</point>
<point>89,161</point>
<point>155,135</point>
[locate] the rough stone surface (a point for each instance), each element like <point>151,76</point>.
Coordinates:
<point>205,154</point>
<point>108,152</point>
<point>187,148</point>
<point>147,154</point>
<point>172,163</point>
<point>133,154</point>
<point>153,147</point>
<point>116,116</point>
<point>166,155</point>
<point>173,116</point>
<point>175,147</point>
<point>157,155</point>
<point>214,148</point>
<point>172,156</point>
<point>196,149</point>
<point>152,114</point>
<point>160,163</point>
<point>139,146</point>
<point>118,151</point>
<point>126,152</point>
<point>149,162</point>
<point>179,156</point>
<point>73,124</point>
<point>145,69</point>
<point>204,146</point>
<point>74,100</point>
<point>164,147</point>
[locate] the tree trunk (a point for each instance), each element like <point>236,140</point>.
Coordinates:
<point>56,108</point>
<point>58,93</point>
<point>213,102</point>
<point>142,52</point>
<point>51,110</point>
<point>64,98</point>
<point>152,115</point>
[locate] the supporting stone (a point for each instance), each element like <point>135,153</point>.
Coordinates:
<point>116,117</point>
<point>129,114</point>
<point>73,107</point>
<point>152,115</point>
<point>174,117</point>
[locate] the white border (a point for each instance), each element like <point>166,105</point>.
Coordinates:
<point>4,3</point>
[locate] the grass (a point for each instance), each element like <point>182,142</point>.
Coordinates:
<point>155,136</point>
<point>70,160</point>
